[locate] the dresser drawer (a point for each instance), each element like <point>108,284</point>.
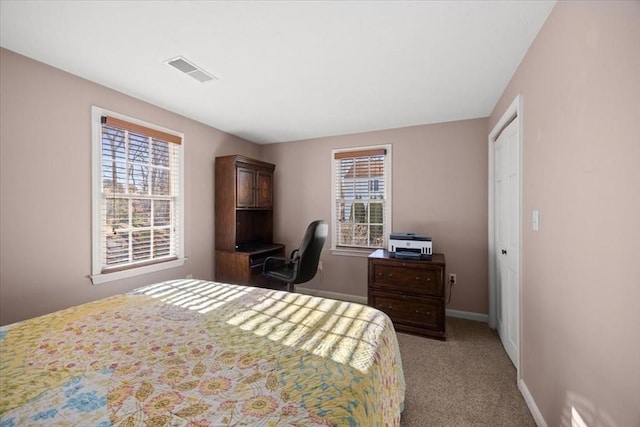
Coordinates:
<point>424,279</point>
<point>409,310</point>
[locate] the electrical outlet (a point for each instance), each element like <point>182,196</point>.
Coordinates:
<point>452,279</point>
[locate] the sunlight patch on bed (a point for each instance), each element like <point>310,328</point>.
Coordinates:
<point>327,328</point>
<point>203,297</point>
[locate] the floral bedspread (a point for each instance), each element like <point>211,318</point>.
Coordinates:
<point>197,353</point>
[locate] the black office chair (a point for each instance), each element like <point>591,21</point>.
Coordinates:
<point>303,263</point>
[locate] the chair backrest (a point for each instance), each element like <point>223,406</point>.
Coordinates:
<point>309,250</point>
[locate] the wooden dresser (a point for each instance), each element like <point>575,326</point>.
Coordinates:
<point>410,292</point>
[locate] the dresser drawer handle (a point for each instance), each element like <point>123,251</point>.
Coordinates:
<point>381,274</point>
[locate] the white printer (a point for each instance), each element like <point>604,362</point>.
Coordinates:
<point>410,246</point>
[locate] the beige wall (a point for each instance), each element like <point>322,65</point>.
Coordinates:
<point>580,82</point>
<point>45,121</point>
<point>439,188</point>
<point>45,187</point>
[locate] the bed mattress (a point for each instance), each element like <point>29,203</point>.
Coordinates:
<point>199,353</point>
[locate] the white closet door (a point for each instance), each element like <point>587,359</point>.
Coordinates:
<point>507,226</point>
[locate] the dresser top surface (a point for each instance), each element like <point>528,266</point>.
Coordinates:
<point>383,254</point>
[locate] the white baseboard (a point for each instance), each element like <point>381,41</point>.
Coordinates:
<point>535,412</point>
<point>469,315</point>
<point>332,295</point>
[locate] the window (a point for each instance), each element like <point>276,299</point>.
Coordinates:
<point>137,197</point>
<point>361,198</point>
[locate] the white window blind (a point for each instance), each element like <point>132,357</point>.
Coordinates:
<point>361,180</point>
<point>139,196</point>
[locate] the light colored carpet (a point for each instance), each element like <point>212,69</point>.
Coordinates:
<point>467,380</point>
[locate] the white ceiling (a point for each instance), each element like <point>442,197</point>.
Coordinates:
<point>288,70</point>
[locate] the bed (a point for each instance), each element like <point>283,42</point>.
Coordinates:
<point>199,353</point>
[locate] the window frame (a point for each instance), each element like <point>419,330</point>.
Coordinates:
<point>354,251</point>
<point>98,276</point>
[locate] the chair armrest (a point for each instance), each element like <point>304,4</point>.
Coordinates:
<point>274,262</point>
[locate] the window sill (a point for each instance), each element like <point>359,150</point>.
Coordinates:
<point>97,279</point>
<point>352,252</point>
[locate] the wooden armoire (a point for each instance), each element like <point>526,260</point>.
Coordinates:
<point>243,219</point>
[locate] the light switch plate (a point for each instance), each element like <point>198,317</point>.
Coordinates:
<point>535,220</point>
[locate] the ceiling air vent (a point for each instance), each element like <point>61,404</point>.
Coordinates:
<point>191,69</point>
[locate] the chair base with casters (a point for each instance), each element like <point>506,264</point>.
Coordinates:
<point>302,265</point>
